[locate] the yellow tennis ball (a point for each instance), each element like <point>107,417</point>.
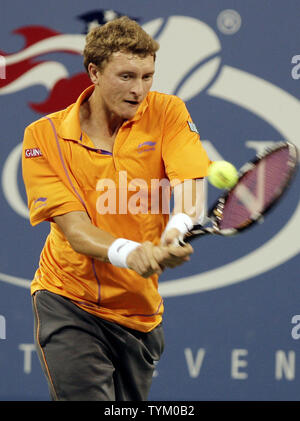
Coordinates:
<point>222,174</point>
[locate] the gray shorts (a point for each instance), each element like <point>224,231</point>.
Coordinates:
<point>86,358</point>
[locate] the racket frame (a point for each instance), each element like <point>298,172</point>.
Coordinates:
<point>216,210</point>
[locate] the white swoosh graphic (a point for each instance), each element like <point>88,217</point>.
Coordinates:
<point>46,74</point>
<point>183,60</point>
<point>68,42</point>
<point>282,111</point>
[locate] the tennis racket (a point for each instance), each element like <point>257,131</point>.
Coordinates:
<point>260,185</point>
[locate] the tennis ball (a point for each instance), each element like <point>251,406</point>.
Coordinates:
<point>222,174</point>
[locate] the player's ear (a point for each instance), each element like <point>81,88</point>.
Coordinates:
<point>94,73</point>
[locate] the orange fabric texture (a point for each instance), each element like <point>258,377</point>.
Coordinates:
<point>64,172</point>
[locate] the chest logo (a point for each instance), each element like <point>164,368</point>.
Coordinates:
<point>146,146</point>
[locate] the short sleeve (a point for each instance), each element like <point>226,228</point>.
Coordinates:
<point>182,151</point>
<point>47,194</point>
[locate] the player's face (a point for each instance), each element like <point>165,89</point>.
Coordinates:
<point>124,83</point>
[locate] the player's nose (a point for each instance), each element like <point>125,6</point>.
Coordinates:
<point>137,88</point>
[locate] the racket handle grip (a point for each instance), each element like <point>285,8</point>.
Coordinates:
<point>186,239</point>
<point>197,231</point>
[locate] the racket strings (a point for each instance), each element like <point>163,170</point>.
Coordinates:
<point>256,190</point>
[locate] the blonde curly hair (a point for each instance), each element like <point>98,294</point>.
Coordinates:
<point>122,34</point>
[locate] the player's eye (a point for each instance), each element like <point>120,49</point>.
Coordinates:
<point>148,77</point>
<point>125,76</point>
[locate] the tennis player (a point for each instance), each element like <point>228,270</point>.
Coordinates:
<point>97,172</point>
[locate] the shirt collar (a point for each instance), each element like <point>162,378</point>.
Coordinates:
<point>70,127</point>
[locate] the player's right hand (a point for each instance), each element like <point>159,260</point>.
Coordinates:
<point>142,260</point>
<point>148,259</point>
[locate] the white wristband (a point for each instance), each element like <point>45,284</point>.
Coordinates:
<point>181,221</point>
<point>119,251</point>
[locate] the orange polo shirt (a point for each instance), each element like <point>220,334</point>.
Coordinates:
<point>64,172</point>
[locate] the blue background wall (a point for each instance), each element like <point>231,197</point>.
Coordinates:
<point>228,319</point>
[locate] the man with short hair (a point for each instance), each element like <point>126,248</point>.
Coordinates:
<point>97,179</point>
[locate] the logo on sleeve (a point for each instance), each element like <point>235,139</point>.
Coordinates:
<point>193,127</point>
<point>33,153</point>
<point>41,201</point>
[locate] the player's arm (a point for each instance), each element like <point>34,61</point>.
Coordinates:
<point>85,238</point>
<point>189,209</point>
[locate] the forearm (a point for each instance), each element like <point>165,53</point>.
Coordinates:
<point>84,237</point>
<point>91,241</point>
<point>189,209</point>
